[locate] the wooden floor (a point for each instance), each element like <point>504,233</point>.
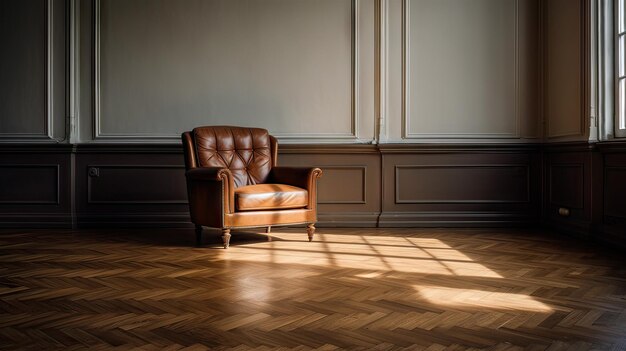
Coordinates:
<point>349,289</point>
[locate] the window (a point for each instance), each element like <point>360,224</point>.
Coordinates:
<point>620,115</point>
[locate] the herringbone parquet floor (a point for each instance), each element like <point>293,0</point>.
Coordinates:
<point>349,289</point>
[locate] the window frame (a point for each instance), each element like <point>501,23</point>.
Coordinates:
<point>619,31</point>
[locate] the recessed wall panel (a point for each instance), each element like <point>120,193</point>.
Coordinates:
<point>563,68</point>
<point>614,216</point>
<point>342,185</point>
<point>29,184</point>
<point>128,184</point>
<point>615,194</point>
<point>461,69</point>
<point>23,72</point>
<point>449,184</point>
<point>567,185</point>
<point>529,59</point>
<point>168,66</point>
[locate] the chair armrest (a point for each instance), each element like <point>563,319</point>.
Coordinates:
<point>302,177</point>
<point>210,187</point>
<point>209,174</point>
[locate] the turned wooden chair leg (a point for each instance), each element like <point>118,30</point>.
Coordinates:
<point>310,230</point>
<point>268,230</point>
<point>226,237</point>
<point>198,235</point>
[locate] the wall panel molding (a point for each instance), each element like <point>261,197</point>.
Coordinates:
<point>35,185</point>
<point>462,169</point>
<point>349,189</point>
<point>332,149</point>
<point>556,194</point>
<point>27,188</point>
<point>343,137</point>
<point>361,170</point>
<point>407,134</point>
<point>446,148</point>
<point>615,182</point>
<point>573,187</point>
<point>614,192</point>
<point>426,185</point>
<point>128,172</point>
<point>47,134</point>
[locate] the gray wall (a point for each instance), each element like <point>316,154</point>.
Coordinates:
<point>167,66</point>
<point>451,70</point>
<point>566,50</point>
<point>302,69</point>
<point>32,70</point>
<point>463,71</point>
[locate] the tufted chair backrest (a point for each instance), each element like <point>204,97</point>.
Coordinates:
<point>247,152</point>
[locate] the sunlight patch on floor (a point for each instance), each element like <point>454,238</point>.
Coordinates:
<point>377,253</point>
<point>480,298</point>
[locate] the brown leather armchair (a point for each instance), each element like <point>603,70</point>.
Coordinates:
<point>233,182</point>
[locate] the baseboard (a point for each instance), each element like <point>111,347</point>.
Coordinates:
<point>455,219</point>
<point>353,220</point>
<point>329,220</point>
<point>150,220</point>
<point>578,229</point>
<point>36,220</point>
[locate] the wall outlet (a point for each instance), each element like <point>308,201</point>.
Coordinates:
<point>94,172</point>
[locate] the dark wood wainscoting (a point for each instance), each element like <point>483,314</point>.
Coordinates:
<point>349,190</point>
<point>576,187</point>
<point>145,185</point>
<point>614,193</point>
<point>460,185</point>
<point>35,185</point>
<point>573,187</point>
<point>125,185</point>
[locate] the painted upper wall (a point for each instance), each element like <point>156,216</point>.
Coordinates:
<point>463,70</point>
<point>167,66</point>
<point>32,70</point>
<point>296,67</point>
<point>565,70</point>
<point>452,70</point>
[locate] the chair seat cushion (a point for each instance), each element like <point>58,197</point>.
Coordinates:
<point>270,197</point>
